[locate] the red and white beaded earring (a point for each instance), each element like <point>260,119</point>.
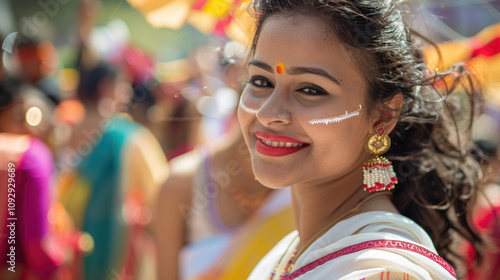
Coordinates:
<point>378,173</point>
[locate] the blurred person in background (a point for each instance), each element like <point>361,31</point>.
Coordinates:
<point>213,220</point>
<point>174,115</point>
<point>32,62</point>
<point>111,170</point>
<point>139,68</point>
<point>37,62</point>
<point>26,176</point>
<point>182,123</point>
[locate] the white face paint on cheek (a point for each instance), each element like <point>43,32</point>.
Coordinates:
<point>246,109</point>
<point>337,118</point>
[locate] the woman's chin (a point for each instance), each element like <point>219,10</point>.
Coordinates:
<point>272,182</point>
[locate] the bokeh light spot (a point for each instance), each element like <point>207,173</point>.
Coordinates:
<point>34,116</point>
<point>86,243</point>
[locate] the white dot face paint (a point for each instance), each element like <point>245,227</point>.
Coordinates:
<point>337,119</point>
<point>246,109</point>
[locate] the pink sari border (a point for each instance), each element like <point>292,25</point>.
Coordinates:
<point>391,244</point>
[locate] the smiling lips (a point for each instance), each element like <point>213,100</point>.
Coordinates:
<point>277,145</point>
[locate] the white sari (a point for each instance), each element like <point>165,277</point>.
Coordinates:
<point>371,245</point>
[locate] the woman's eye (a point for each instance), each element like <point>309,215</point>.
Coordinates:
<point>313,91</point>
<point>260,82</point>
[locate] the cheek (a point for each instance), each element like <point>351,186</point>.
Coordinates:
<point>327,117</point>
<point>247,109</point>
<point>337,140</point>
<point>249,102</point>
<point>245,119</point>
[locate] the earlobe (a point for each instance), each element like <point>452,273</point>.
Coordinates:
<point>390,111</point>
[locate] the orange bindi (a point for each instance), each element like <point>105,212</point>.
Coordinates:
<point>280,68</point>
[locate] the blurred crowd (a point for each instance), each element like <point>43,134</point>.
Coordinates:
<point>125,167</point>
<point>85,150</point>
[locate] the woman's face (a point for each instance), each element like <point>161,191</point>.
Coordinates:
<point>320,81</point>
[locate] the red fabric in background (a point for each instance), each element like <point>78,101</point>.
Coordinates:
<point>490,49</point>
<point>487,220</point>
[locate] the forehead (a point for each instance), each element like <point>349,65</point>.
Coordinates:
<point>301,31</point>
<point>301,40</point>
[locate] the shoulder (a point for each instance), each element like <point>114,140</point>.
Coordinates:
<point>378,224</point>
<point>392,225</point>
<point>40,149</point>
<point>178,186</point>
<point>183,168</point>
<point>123,123</point>
<point>187,164</point>
<point>37,157</point>
<point>372,243</point>
<point>121,128</point>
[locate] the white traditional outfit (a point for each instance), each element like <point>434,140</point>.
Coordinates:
<point>371,245</point>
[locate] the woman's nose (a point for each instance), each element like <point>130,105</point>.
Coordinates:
<point>275,111</point>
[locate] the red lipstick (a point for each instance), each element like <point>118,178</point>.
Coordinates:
<point>286,146</point>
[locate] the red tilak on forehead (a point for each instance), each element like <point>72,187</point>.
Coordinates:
<point>280,68</point>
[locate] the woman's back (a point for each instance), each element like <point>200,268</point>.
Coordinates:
<point>108,192</point>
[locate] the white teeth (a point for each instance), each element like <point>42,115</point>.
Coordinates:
<point>282,144</point>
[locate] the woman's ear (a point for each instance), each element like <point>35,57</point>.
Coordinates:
<point>389,112</point>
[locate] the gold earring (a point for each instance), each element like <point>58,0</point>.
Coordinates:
<point>378,173</point>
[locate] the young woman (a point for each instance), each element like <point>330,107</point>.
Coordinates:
<point>328,82</point>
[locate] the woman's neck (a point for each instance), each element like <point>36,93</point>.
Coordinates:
<point>317,205</point>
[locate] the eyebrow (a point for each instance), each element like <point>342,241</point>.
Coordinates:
<point>261,64</point>
<point>295,70</point>
<point>314,71</point>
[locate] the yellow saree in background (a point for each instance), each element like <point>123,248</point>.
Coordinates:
<point>234,255</point>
